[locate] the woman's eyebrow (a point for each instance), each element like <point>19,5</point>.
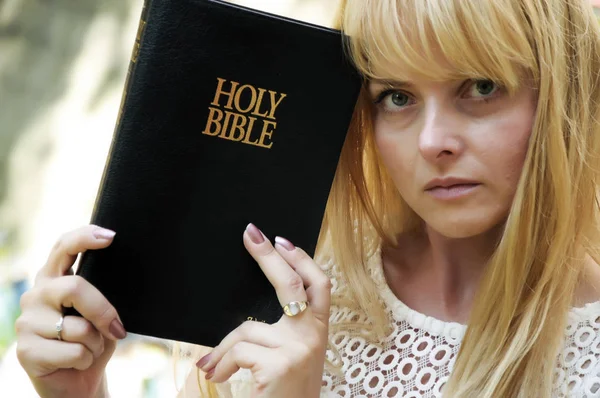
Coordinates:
<point>390,82</point>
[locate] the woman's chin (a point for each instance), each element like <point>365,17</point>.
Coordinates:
<point>460,229</point>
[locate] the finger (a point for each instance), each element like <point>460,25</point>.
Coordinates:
<point>75,330</point>
<point>243,355</point>
<point>250,331</point>
<point>45,356</point>
<point>316,283</point>
<point>74,291</point>
<point>287,283</point>
<point>68,246</point>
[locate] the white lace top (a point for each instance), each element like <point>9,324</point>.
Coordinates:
<point>416,359</point>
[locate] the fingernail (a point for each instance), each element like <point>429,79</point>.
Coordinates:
<point>255,235</point>
<point>117,329</point>
<point>285,243</point>
<point>210,374</point>
<point>203,361</point>
<point>103,233</point>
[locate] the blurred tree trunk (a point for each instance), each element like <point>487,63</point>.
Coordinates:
<point>39,41</point>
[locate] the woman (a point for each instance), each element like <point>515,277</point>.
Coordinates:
<point>466,195</point>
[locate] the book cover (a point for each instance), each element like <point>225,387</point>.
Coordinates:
<point>229,116</point>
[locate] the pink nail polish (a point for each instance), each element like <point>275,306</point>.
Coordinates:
<point>103,233</point>
<point>255,235</point>
<point>210,374</point>
<point>285,243</point>
<point>117,329</point>
<point>203,361</point>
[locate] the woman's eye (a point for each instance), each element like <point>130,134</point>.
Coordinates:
<point>399,99</point>
<point>482,88</point>
<point>392,100</point>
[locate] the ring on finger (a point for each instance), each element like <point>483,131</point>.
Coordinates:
<point>59,327</point>
<point>294,308</point>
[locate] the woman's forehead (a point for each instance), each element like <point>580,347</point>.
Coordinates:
<point>436,40</point>
<point>397,70</point>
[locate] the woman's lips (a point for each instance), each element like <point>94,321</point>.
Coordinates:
<point>453,191</point>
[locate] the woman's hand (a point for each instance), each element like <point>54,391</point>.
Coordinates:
<point>287,358</point>
<point>74,365</point>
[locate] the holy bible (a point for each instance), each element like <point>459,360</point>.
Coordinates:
<point>228,116</point>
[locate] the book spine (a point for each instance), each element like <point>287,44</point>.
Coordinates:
<point>134,57</point>
<point>139,39</point>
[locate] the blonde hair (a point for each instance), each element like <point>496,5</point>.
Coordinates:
<point>523,299</point>
<point>528,286</point>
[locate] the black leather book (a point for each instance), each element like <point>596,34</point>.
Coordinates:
<point>229,116</point>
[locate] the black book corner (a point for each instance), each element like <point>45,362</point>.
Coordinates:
<point>229,116</point>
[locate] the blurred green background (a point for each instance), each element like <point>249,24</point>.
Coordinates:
<point>62,70</point>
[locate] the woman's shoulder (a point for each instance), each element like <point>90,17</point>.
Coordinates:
<point>584,317</point>
<point>587,291</point>
<point>578,364</point>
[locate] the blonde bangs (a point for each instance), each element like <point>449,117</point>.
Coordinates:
<point>440,40</point>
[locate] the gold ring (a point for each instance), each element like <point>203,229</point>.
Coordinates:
<point>295,307</point>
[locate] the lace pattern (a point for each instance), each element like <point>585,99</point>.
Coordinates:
<point>416,359</point>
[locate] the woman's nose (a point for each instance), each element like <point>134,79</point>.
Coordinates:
<point>440,139</point>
